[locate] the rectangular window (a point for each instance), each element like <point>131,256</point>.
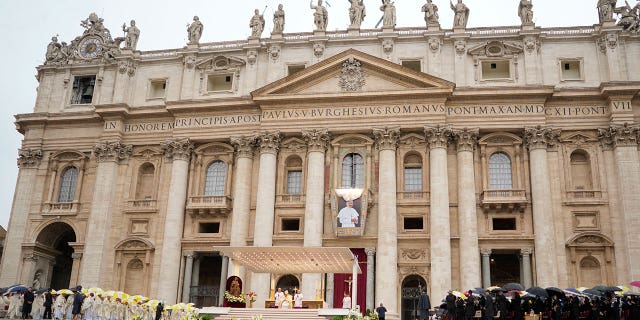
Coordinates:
<point>209,227</point>
<point>291,224</point>
<point>571,70</point>
<point>294,182</point>
<point>220,82</point>
<point>413,223</point>
<point>412,179</point>
<point>83,87</point>
<point>413,65</point>
<point>496,70</point>
<point>502,224</point>
<point>157,88</point>
<point>293,69</point>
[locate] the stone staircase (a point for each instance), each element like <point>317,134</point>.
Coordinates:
<point>271,314</point>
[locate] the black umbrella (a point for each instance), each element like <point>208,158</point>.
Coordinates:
<point>496,289</point>
<point>553,291</point>
<point>538,292</point>
<point>593,292</point>
<point>41,291</point>
<point>513,286</point>
<point>606,288</point>
<point>478,290</point>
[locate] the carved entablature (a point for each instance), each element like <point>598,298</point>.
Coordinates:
<point>29,158</point>
<point>438,137</point>
<point>413,255</point>
<point>177,149</point>
<point>244,146</point>
<point>496,49</point>
<point>618,136</point>
<point>317,139</point>
<point>269,142</point>
<point>466,139</point>
<point>112,151</point>
<point>541,138</point>
<point>386,139</point>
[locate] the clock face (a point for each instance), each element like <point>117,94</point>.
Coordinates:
<point>90,48</point>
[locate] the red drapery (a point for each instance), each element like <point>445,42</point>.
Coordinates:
<point>340,284</point>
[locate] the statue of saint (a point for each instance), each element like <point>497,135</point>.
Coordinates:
<point>54,51</point>
<point>320,16</point>
<point>36,280</point>
<point>194,30</point>
<point>256,24</point>
<point>461,14</point>
<point>431,16</point>
<point>629,18</point>
<point>389,14</point>
<point>278,20</point>
<point>525,12</point>
<point>606,9</point>
<point>235,289</point>
<point>133,34</point>
<point>357,12</point>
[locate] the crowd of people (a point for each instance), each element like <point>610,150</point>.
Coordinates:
<point>91,304</point>
<point>557,305</point>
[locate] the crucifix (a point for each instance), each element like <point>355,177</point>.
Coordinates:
<point>349,281</point>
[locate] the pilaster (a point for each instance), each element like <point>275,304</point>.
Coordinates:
<point>371,253</point>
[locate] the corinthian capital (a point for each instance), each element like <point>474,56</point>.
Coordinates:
<point>317,139</point>
<point>541,138</point>
<point>244,146</point>
<point>466,139</point>
<point>438,137</point>
<point>618,136</point>
<point>29,158</point>
<point>178,148</point>
<point>112,151</point>
<point>269,142</point>
<point>386,139</point>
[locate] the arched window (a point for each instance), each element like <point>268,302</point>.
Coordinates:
<point>353,171</point>
<point>500,172</point>
<point>412,173</point>
<point>215,179</point>
<point>294,175</point>
<point>581,170</point>
<point>68,182</point>
<point>144,187</point>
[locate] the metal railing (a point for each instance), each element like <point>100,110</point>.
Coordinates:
<point>584,194</point>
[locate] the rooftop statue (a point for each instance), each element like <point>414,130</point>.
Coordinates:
<point>357,12</point>
<point>606,9</point>
<point>194,30</point>
<point>431,16</point>
<point>389,14</point>
<point>133,34</point>
<point>629,17</point>
<point>320,16</point>
<point>461,14</point>
<point>278,20</point>
<point>525,12</point>
<point>256,24</point>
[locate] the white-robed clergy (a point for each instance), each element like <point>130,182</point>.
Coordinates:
<point>14,306</point>
<point>68,308</point>
<point>278,297</point>
<point>37,309</point>
<point>59,307</point>
<point>87,307</point>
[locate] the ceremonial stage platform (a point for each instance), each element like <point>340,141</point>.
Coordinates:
<point>272,314</point>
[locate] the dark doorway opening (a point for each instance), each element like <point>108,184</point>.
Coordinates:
<point>207,292</point>
<point>57,236</point>
<point>411,289</point>
<point>288,282</point>
<point>505,268</point>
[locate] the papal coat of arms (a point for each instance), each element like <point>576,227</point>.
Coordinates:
<point>352,78</point>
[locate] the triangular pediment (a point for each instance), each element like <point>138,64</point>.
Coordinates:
<point>354,73</point>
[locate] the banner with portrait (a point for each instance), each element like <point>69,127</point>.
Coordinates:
<point>349,212</point>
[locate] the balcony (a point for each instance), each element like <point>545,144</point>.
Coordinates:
<point>141,206</point>
<point>290,200</point>
<point>61,208</point>
<point>209,205</point>
<point>504,200</point>
<point>413,197</point>
<point>584,197</point>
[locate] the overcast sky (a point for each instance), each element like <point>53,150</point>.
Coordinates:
<point>26,27</point>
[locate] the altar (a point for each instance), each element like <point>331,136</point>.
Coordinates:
<point>306,304</point>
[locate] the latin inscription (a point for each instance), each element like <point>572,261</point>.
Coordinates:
<point>353,112</point>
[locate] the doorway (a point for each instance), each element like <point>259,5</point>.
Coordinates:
<point>411,288</point>
<point>505,268</point>
<point>288,282</point>
<point>207,291</point>
<point>57,236</point>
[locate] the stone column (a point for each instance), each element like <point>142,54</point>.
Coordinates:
<point>440,229</point>
<point>625,142</point>
<point>179,151</point>
<point>93,269</point>
<point>241,196</point>
<point>269,143</point>
<point>466,141</point>
<point>486,267</point>
<point>371,253</point>
<point>317,142</point>
<point>387,248</point>
<point>224,271</point>
<point>186,280</point>
<point>28,268</point>
<point>538,139</point>
<point>329,293</point>
<point>527,281</point>
<point>28,162</point>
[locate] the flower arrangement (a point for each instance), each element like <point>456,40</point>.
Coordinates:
<point>233,299</point>
<point>252,297</point>
<point>258,317</point>
<point>353,315</point>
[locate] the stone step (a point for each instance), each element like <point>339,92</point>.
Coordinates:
<point>271,314</point>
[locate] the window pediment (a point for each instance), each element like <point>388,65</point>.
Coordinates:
<point>220,63</point>
<point>495,49</point>
<point>500,139</point>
